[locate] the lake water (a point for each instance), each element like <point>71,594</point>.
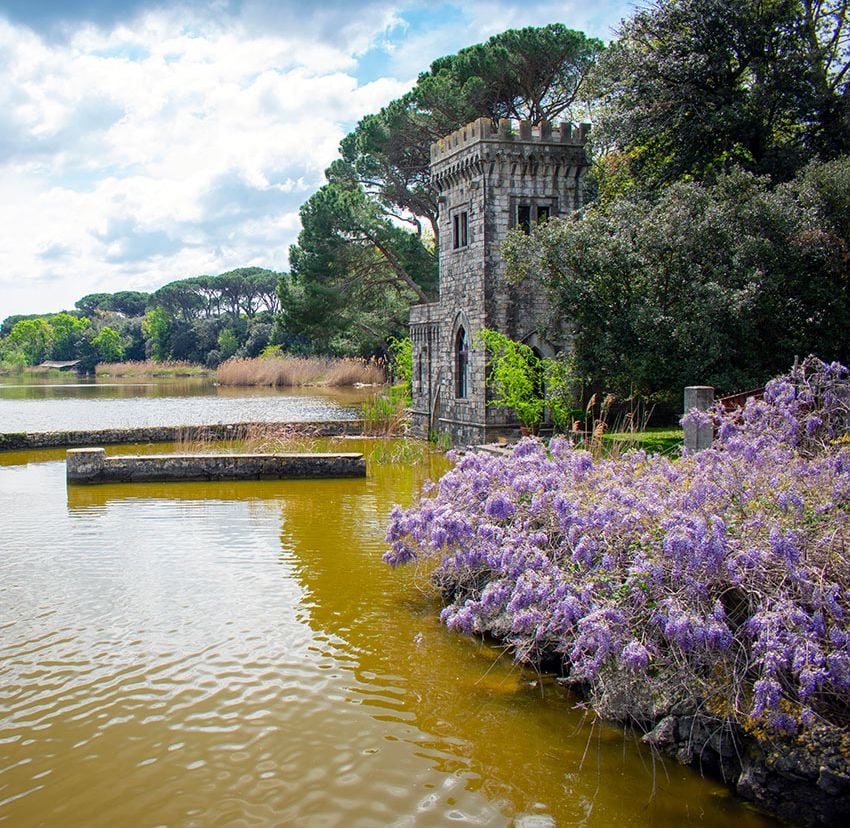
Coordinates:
<point>237,654</point>
<point>69,405</point>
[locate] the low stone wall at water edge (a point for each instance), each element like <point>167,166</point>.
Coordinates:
<point>91,465</point>
<point>17,441</point>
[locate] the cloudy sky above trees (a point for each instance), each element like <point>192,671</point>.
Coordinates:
<point>143,142</point>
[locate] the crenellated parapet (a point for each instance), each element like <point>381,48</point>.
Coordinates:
<point>518,146</point>
<point>482,130</point>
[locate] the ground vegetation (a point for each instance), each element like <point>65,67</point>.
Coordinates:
<point>705,284</point>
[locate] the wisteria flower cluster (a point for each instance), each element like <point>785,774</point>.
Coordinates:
<point>719,581</point>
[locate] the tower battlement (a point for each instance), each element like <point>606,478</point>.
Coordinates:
<point>482,130</point>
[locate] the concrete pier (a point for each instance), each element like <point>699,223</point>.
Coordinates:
<point>91,465</point>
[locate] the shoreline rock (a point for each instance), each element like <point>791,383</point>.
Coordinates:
<point>803,779</point>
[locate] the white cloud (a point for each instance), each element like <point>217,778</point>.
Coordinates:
<point>181,140</point>
<point>141,155</point>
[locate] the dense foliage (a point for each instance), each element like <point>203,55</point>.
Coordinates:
<point>718,284</point>
<point>691,87</point>
<point>719,246</point>
<point>716,583</point>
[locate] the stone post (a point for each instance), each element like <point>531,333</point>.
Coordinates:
<point>700,397</point>
<point>84,465</point>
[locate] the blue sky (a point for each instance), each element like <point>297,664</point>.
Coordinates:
<point>143,142</point>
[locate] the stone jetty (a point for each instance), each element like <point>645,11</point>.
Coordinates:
<point>91,465</point>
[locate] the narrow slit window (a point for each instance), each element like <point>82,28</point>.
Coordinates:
<point>523,217</point>
<point>461,230</point>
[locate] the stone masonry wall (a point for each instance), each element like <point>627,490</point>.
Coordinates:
<point>487,173</point>
<point>17,441</point>
<point>91,465</point>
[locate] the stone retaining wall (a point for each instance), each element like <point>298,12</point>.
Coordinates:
<point>91,465</point>
<point>170,434</point>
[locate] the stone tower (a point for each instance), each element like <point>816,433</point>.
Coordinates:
<point>487,181</point>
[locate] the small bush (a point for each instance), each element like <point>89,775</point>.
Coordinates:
<point>401,364</point>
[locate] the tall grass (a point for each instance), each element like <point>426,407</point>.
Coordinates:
<point>297,371</point>
<point>249,438</point>
<point>609,435</point>
<point>385,414</point>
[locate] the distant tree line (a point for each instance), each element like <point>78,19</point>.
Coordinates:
<point>204,319</point>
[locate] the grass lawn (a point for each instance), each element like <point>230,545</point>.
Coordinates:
<point>657,440</point>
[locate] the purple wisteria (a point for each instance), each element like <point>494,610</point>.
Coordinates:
<point>717,582</point>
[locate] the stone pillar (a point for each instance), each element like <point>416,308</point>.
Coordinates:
<point>84,465</point>
<point>700,397</point>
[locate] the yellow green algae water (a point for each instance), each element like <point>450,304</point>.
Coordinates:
<point>237,654</point>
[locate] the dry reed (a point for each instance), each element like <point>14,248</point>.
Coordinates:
<point>298,371</point>
<point>249,438</point>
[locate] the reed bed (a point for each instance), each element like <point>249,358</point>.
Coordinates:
<point>298,371</point>
<point>150,368</point>
<point>386,414</point>
<point>252,438</point>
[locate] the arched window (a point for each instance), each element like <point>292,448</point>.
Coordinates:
<point>461,364</point>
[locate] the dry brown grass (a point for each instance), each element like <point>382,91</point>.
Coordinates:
<point>356,372</point>
<point>298,371</point>
<point>249,438</point>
